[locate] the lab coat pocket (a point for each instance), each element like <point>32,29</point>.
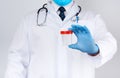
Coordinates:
<point>75,63</point>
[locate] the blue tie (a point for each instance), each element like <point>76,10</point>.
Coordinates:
<point>62,14</point>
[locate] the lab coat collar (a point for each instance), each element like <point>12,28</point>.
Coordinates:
<point>71,12</point>
<point>53,13</point>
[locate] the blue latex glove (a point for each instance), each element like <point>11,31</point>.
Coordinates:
<point>85,42</point>
<point>62,2</point>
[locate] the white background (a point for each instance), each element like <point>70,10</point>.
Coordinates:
<point>12,11</point>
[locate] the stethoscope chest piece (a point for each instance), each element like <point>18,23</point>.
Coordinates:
<point>73,19</point>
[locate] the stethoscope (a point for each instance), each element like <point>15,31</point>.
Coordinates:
<point>46,10</point>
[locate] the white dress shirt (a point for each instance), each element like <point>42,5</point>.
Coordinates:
<point>67,7</point>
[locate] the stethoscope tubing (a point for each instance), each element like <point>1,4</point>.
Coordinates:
<point>46,10</point>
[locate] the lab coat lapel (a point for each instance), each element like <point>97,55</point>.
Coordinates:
<point>52,12</point>
<point>72,12</point>
<point>55,17</point>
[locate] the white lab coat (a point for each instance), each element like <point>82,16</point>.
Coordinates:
<point>38,51</point>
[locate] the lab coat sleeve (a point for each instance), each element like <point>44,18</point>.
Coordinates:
<point>106,42</point>
<point>18,56</point>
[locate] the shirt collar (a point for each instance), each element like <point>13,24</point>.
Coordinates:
<point>67,7</point>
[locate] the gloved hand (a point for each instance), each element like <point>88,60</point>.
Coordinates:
<point>85,42</point>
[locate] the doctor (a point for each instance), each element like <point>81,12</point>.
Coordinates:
<point>37,51</point>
